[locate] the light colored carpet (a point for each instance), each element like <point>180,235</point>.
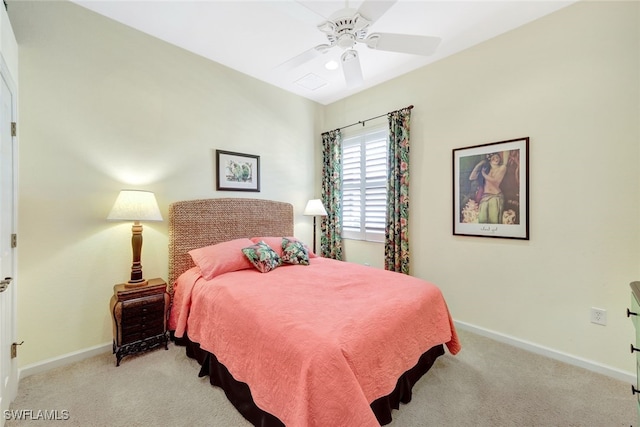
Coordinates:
<point>487,384</point>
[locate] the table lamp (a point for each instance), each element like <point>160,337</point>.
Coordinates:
<point>314,208</point>
<point>136,206</point>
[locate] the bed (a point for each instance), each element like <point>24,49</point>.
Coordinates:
<point>312,342</point>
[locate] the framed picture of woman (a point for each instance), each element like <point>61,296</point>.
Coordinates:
<point>491,190</point>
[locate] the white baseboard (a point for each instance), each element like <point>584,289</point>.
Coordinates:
<point>551,353</point>
<point>65,359</point>
<point>506,339</point>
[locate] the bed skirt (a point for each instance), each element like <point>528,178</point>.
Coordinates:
<point>239,394</point>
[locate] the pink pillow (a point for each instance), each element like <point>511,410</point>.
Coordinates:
<point>276,244</point>
<point>221,258</point>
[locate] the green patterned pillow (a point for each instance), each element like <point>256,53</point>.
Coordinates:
<point>294,252</point>
<point>262,257</point>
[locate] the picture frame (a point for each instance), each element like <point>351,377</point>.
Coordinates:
<point>237,171</point>
<point>491,190</point>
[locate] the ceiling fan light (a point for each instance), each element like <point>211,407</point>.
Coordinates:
<point>346,40</point>
<point>331,65</point>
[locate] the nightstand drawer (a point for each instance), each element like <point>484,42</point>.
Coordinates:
<point>137,333</point>
<point>142,321</point>
<point>143,306</point>
<point>143,324</point>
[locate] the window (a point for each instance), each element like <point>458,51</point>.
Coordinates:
<point>364,185</point>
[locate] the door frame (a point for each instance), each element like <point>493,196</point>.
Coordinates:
<point>12,385</point>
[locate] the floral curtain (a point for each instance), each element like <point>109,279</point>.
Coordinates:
<point>396,248</point>
<point>331,225</point>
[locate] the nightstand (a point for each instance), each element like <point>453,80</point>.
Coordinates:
<point>139,318</point>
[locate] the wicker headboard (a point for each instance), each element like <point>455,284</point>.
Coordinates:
<point>197,223</point>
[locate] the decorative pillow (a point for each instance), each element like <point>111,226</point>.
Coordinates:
<point>262,257</point>
<point>294,252</point>
<point>310,252</point>
<point>274,243</point>
<point>221,258</point>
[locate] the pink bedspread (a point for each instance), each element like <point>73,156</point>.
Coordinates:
<point>316,344</point>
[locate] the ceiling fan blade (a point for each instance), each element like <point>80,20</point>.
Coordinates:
<point>374,9</point>
<point>304,57</point>
<point>351,68</point>
<point>403,43</point>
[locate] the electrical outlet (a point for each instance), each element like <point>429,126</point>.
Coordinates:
<point>598,316</point>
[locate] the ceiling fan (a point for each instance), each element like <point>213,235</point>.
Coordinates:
<point>348,27</point>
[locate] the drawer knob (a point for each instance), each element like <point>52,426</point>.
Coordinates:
<point>634,348</point>
<point>631,313</point>
<point>634,390</point>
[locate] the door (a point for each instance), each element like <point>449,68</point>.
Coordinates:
<point>8,365</point>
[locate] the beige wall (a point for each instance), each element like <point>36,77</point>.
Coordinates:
<point>103,107</point>
<point>570,82</point>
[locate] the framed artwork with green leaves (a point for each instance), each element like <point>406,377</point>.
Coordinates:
<point>237,171</point>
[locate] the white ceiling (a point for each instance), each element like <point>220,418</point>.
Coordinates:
<point>255,37</point>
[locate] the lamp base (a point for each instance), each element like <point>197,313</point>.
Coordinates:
<point>136,284</point>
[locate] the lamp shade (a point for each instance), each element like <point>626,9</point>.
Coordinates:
<point>135,205</point>
<point>315,208</point>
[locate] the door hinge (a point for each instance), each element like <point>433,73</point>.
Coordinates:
<point>14,240</point>
<point>14,349</point>
<point>14,129</point>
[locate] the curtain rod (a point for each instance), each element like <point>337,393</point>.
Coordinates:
<point>372,118</point>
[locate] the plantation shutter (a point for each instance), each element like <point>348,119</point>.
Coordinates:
<point>364,185</point>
